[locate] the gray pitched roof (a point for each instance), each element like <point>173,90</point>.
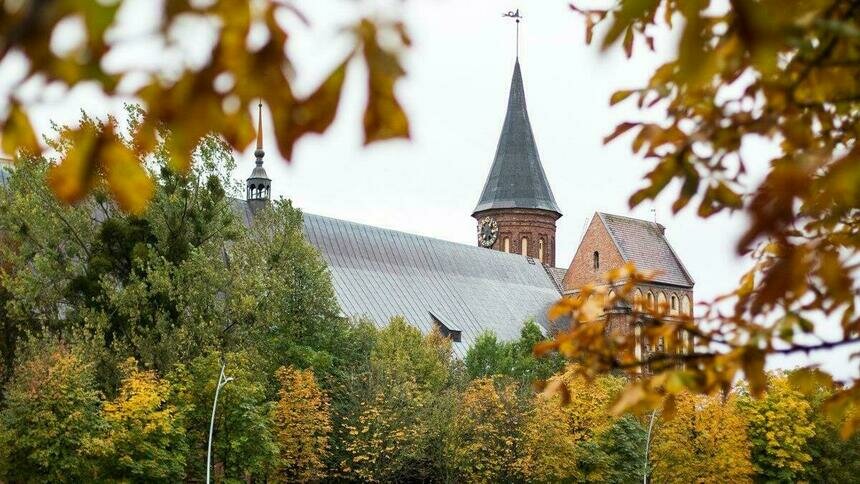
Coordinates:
<point>645,244</point>
<point>380,273</point>
<point>517,179</point>
<point>557,274</point>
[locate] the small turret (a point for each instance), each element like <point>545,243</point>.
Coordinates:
<point>259,186</point>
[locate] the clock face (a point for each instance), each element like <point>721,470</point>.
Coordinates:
<point>488,232</point>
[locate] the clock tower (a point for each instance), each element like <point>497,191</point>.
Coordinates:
<point>517,211</point>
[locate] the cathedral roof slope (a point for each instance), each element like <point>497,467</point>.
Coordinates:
<point>517,179</point>
<point>644,243</point>
<point>380,273</point>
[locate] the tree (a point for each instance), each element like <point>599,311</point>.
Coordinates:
<point>303,424</point>
<point>567,435</point>
<point>392,426</point>
<point>161,286</point>
<point>782,71</point>
<point>488,356</point>
<point>484,441</point>
<point>833,457</point>
<point>50,421</point>
<point>244,444</point>
<point>704,441</point>
<point>779,427</point>
<point>179,100</point>
<point>145,432</point>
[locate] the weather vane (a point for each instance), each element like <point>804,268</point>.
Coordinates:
<point>515,15</point>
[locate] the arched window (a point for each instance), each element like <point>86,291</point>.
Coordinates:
<point>540,249</point>
<point>596,260</point>
<point>610,298</point>
<point>524,246</point>
<point>507,244</point>
<point>674,304</point>
<point>637,300</point>
<point>686,310</point>
<point>661,301</point>
<point>650,301</point>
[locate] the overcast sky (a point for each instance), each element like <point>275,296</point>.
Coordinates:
<point>455,93</point>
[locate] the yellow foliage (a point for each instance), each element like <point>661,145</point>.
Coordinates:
<point>705,441</point>
<point>779,427</point>
<point>558,423</point>
<point>485,438</point>
<point>303,424</point>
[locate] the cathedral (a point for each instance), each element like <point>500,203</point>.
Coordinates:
<point>510,275</point>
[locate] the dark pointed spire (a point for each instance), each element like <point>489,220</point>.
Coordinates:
<point>517,179</point>
<point>259,185</point>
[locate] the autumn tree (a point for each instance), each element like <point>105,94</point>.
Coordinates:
<point>177,95</point>
<point>779,426</point>
<point>145,437</point>
<point>567,435</point>
<point>50,421</point>
<point>781,71</point>
<point>391,427</point>
<point>303,424</point>
<point>705,440</point>
<point>484,443</point>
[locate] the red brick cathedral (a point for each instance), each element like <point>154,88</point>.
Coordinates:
<point>511,276</point>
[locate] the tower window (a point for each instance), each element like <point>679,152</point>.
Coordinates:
<point>596,260</point>
<point>540,249</point>
<point>507,244</point>
<point>524,246</point>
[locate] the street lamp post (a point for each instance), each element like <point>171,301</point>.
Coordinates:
<point>222,380</point>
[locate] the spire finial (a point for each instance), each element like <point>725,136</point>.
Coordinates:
<point>259,151</point>
<point>516,16</point>
<point>260,125</point>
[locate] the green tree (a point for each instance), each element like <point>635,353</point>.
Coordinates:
<point>833,457</point>
<point>145,432</point>
<point>244,443</point>
<point>779,427</point>
<point>488,356</point>
<point>50,423</point>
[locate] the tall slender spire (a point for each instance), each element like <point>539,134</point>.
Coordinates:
<point>517,179</point>
<point>259,153</point>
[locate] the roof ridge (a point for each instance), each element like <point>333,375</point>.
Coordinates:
<point>630,218</point>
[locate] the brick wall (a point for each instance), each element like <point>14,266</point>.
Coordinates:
<point>517,223</point>
<point>581,270</point>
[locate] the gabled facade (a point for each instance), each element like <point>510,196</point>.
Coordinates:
<point>610,241</point>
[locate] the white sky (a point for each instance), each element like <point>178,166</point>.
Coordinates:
<point>455,93</point>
